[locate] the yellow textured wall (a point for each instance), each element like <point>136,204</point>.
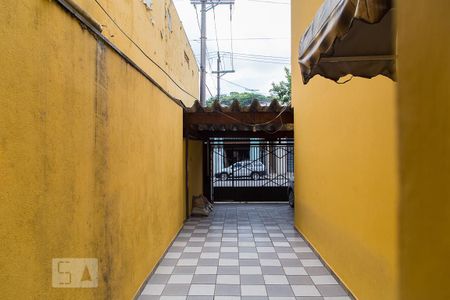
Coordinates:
<point>346,172</point>
<point>424,122</point>
<point>91,153</point>
<point>148,28</point>
<point>195,170</point>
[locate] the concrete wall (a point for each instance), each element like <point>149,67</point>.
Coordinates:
<point>91,153</point>
<point>346,172</point>
<point>424,125</point>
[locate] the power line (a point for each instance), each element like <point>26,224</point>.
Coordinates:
<point>142,51</point>
<point>259,55</point>
<point>260,58</point>
<point>263,61</point>
<point>244,39</point>
<point>270,2</point>
<point>209,91</point>
<point>241,86</point>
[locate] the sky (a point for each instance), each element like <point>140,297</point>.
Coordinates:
<point>259,27</point>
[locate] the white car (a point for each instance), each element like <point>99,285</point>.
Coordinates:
<point>245,168</point>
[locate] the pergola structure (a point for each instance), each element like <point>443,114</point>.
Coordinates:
<point>253,121</point>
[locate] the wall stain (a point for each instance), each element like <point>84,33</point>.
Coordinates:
<point>101,164</point>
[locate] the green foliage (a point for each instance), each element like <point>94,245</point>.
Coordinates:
<point>244,98</point>
<point>282,90</point>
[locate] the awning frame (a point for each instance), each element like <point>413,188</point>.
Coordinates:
<point>339,27</point>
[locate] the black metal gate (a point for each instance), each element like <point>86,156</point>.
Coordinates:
<point>249,169</point>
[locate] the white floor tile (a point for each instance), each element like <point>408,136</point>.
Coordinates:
<point>228,262</point>
<point>270,262</point>
<point>179,244</point>
<point>164,270</point>
<point>216,235</point>
<point>295,271</point>
<point>212,244</point>
<point>229,249</point>
<point>265,249</point>
<point>228,279</point>
<point>197,239</point>
<point>305,290</point>
<point>274,234</point>
<point>210,255</point>
<point>153,289</point>
<point>187,262</point>
<point>174,255</point>
<point>281,244</point>
<point>253,290</point>
<point>247,244</point>
<point>180,279</point>
<point>311,263</point>
<point>193,249</point>
<point>248,255</point>
<point>287,256</point>
<point>323,279</point>
<point>302,249</point>
<point>229,239</point>
<point>206,270</point>
<point>202,289</point>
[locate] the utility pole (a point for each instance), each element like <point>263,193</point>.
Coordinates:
<point>203,55</point>
<point>218,76</point>
<point>220,73</point>
<point>204,9</point>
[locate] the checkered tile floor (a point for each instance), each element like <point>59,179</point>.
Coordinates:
<point>243,251</point>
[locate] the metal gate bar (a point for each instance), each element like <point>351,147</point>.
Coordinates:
<point>250,169</point>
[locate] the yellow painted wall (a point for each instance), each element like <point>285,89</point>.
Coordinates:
<point>346,172</point>
<point>91,153</point>
<point>195,170</point>
<point>149,29</point>
<point>424,123</point>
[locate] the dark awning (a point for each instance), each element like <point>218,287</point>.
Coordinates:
<point>350,37</point>
<point>252,121</point>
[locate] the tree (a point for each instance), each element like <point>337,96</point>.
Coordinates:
<point>244,98</point>
<point>282,90</point>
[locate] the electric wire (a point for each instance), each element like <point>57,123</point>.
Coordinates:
<point>142,51</point>
<point>262,61</point>
<point>269,2</point>
<point>209,91</point>
<point>246,39</point>
<point>241,86</point>
<point>254,124</point>
<point>259,55</point>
